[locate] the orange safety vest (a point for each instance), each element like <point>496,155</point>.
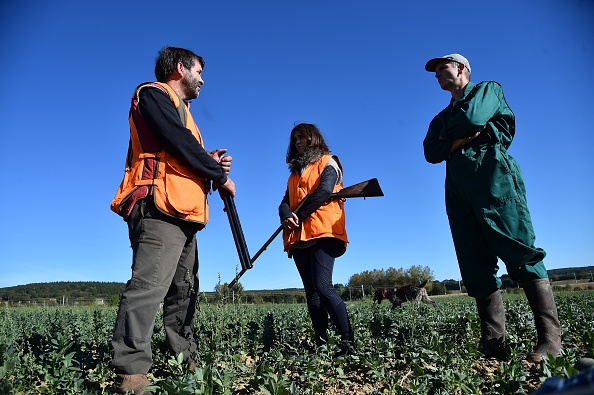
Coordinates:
<point>150,170</point>
<point>326,221</point>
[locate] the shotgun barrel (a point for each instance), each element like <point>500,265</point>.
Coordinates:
<point>263,248</point>
<point>238,237</point>
<point>369,188</point>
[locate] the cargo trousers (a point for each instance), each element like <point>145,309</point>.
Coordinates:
<point>164,270</point>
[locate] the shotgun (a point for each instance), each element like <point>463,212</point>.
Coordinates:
<point>238,237</point>
<point>369,188</point>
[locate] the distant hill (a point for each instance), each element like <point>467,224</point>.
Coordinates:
<point>564,274</point>
<point>62,289</point>
<point>107,292</point>
<point>572,273</point>
<point>568,273</point>
<point>110,290</point>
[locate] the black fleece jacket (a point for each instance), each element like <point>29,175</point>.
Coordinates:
<point>314,200</point>
<point>161,116</point>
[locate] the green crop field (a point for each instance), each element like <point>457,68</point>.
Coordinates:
<point>268,349</point>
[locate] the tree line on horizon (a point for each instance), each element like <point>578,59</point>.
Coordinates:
<point>358,285</point>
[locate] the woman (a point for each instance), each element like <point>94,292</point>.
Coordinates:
<point>314,233</point>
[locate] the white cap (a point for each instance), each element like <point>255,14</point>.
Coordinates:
<point>456,57</point>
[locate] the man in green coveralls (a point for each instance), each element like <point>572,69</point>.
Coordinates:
<point>486,205</point>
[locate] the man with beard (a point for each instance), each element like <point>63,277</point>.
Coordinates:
<point>486,205</point>
<point>163,199</point>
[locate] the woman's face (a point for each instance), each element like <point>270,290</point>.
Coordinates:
<point>301,142</point>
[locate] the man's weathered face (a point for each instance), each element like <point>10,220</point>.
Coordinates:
<point>192,81</point>
<point>448,74</point>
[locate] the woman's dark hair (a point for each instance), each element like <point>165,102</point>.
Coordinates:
<point>168,59</point>
<point>314,136</point>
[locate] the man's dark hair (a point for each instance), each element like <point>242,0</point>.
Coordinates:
<point>168,59</point>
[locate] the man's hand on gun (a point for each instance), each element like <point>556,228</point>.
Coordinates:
<point>225,162</point>
<point>229,186</point>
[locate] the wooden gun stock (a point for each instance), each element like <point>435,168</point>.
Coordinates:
<point>369,188</point>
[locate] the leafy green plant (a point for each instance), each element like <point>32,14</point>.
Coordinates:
<point>61,375</point>
<point>270,349</point>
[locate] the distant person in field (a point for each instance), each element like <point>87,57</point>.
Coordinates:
<point>486,204</point>
<point>163,199</point>
<point>315,235</point>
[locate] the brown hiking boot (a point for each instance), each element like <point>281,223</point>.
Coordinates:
<point>548,329</point>
<point>191,365</point>
<point>131,382</point>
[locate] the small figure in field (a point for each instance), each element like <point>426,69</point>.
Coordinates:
<point>486,205</point>
<point>380,294</point>
<point>315,235</point>
<point>415,293</point>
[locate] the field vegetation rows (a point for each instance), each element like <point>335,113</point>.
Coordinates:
<point>268,349</point>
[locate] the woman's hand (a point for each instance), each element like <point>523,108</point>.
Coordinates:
<point>291,223</point>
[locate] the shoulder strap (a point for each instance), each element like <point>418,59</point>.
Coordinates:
<point>181,109</point>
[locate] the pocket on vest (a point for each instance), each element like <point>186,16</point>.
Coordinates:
<point>185,194</point>
<point>328,219</point>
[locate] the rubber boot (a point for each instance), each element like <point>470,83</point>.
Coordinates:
<point>492,315</point>
<point>584,363</point>
<point>548,329</point>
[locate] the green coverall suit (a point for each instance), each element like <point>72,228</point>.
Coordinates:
<point>484,190</point>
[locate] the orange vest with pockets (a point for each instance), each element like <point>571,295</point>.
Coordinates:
<point>326,221</point>
<point>150,170</point>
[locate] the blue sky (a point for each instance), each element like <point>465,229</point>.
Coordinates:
<point>354,68</point>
